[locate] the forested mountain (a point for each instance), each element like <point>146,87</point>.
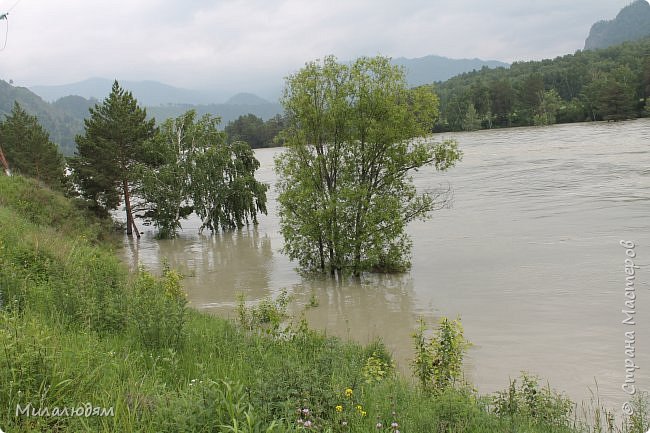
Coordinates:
<point>631,23</point>
<point>606,84</point>
<point>61,119</point>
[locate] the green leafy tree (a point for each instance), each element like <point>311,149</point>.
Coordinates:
<point>28,149</point>
<point>164,186</point>
<point>529,96</point>
<point>254,131</point>
<point>612,96</point>
<point>200,172</point>
<point>438,361</point>
<point>546,111</point>
<point>345,190</point>
<point>248,128</point>
<point>110,152</point>
<point>472,122</point>
<point>502,99</point>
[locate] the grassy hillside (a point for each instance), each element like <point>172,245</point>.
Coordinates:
<point>80,334</point>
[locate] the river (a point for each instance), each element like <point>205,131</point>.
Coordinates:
<point>528,256</point>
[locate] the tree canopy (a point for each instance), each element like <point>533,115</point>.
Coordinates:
<point>200,171</point>
<point>344,181</point>
<point>28,149</point>
<point>110,150</point>
<point>606,84</point>
<point>255,131</point>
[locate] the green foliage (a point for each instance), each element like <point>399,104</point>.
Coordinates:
<point>605,84</point>
<point>221,378</point>
<point>208,405</point>
<point>157,311</point>
<point>199,171</point>
<point>438,362</point>
<point>548,107</point>
<point>376,368</point>
<point>267,316</point>
<point>529,400</point>
<point>186,166</point>
<point>110,150</point>
<point>225,193</point>
<point>345,191</point>
<point>612,96</point>
<point>639,421</point>
<point>28,149</point>
<point>472,122</point>
<point>61,120</point>
<point>255,131</point>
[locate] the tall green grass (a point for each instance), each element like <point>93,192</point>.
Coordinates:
<point>78,330</point>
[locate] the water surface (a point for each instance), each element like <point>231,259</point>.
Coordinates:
<point>528,256</point>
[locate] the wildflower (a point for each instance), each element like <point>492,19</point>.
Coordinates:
<point>307,424</point>
<point>394,425</point>
<point>300,421</point>
<point>379,425</point>
<point>339,408</point>
<point>305,411</point>
<point>363,413</point>
<point>348,392</point>
<point>359,408</point>
<point>344,423</point>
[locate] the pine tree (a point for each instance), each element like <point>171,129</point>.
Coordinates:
<point>28,149</point>
<point>109,152</point>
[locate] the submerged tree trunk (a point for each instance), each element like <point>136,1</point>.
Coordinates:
<point>130,223</point>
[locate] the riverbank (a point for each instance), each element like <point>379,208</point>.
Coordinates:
<point>89,346</point>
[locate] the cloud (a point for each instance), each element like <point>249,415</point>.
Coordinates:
<point>232,43</point>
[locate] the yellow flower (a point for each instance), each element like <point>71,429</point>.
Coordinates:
<point>348,392</point>
<point>339,408</point>
<point>359,408</point>
<point>363,413</point>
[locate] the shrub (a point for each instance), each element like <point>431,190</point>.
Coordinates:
<point>157,310</point>
<point>528,400</point>
<point>267,316</point>
<point>438,362</point>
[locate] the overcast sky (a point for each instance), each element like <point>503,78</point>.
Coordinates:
<point>231,44</point>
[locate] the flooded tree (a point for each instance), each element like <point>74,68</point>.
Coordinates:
<point>109,151</point>
<point>353,141</point>
<point>199,171</point>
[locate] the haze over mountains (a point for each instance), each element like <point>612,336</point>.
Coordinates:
<point>61,109</point>
<point>419,71</point>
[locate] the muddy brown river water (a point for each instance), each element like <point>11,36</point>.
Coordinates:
<point>528,256</point>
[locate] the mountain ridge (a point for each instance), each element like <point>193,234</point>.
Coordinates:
<point>421,70</point>
<point>631,23</point>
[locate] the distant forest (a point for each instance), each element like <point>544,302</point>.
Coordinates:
<point>607,84</point>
